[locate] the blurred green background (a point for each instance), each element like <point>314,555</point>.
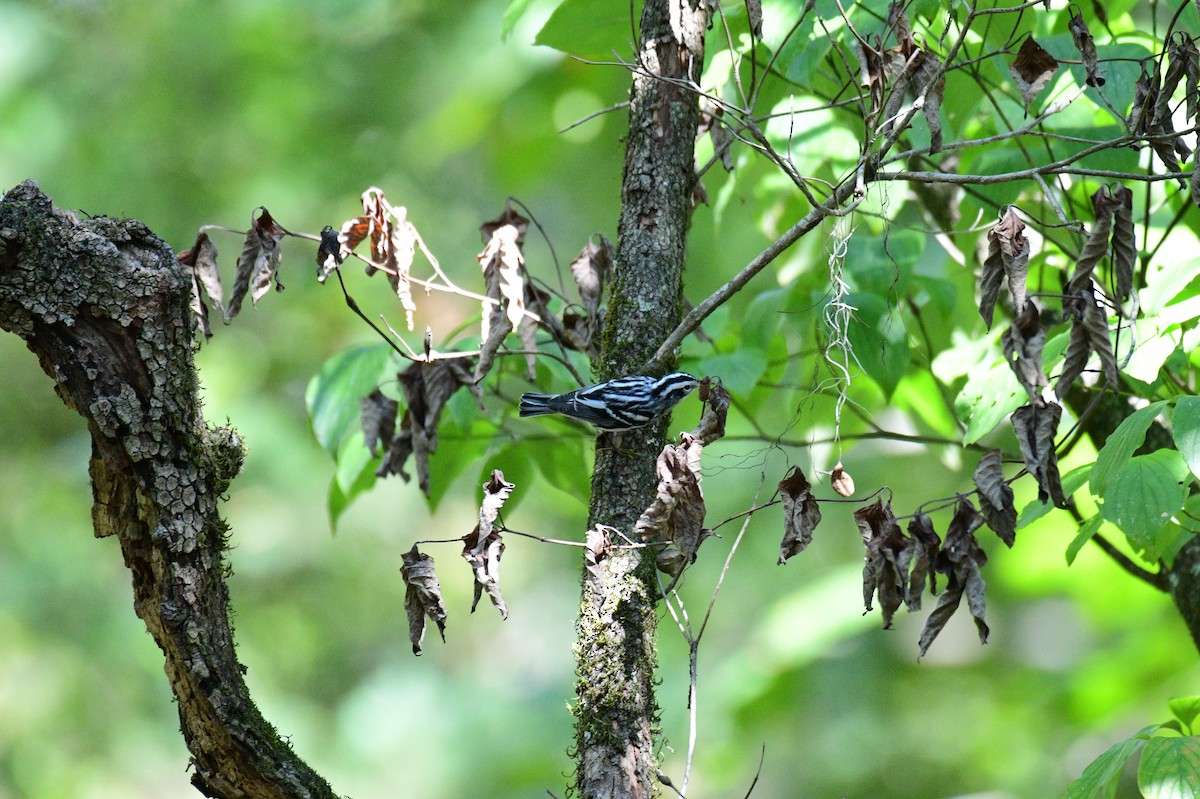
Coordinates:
<point>184,113</point>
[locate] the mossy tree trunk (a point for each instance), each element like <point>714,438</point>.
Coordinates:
<point>616,714</point>
<point>104,305</point>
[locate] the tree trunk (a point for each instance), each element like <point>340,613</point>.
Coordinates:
<point>105,307</point>
<point>616,713</point>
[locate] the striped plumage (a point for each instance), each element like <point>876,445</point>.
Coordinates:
<point>620,404</point>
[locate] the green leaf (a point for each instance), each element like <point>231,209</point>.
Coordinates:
<point>763,316</point>
<point>590,28</point>
<point>1170,768</point>
<point>1072,481</point>
<point>1165,283</point>
<point>454,456</point>
<point>563,462</point>
<point>1099,779</point>
<point>1185,708</point>
<point>882,265</point>
<point>739,371</point>
<point>879,340</point>
<point>334,393</point>
<point>1144,495</point>
<point>989,396</point>
<point>512,14</point>
<point>339,499</point>
<point>1121,445</point>
<point>1185,427</point>
<point>1086,531</point>
<point>353,458</point>
<point>516,461</point>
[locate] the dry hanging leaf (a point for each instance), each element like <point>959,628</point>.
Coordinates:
<point>1089,333</point>
<point>755,15</point>
<point>258,265</point>
<point>885,570</point>
<point>929,81</point>
<point>1087,48</point>
<point>841,481</point>
<point>591,268</point>
<point>677,513</point>
<point>427,386</point>
<point>1123,244</point>
<point>926,545</point>
<point>394,241</point>
<point>1104,206</point>
<point>1008,257</point>
<point>996,497</point>
<point>202,258</point>
<point>483,547</point>
<point>1183,49</point>
<point>1035,425</point>
<point>1023,343</point>
<point>1032,69</point>
<point>801,514</point>
<point>960,558</point>
<point>423,597</point>
<point>378,420</point>
<point>502,263</point>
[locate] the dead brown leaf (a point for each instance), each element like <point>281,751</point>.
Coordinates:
<point>258,265</point>
<point>996,497</point>
<point>427,387</point>
<point>677,513</point>
<point>801,514</point>
<point>960,558</point>
<point>484,546</point>
<point>1087,48</point>
<point>926,546</point>
<point>1035,425</point>
<point>423,597</point>
<point>502,263</point>
<point>1008,257</point>
<point>378,420</point>
<point>1032,69</point>
<point>885,570</point>
<point>1023,344</point>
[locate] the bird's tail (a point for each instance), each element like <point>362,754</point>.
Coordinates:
<point>536,404</point>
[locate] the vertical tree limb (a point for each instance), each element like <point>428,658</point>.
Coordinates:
<point>616,712</point>
<point>104,305</point>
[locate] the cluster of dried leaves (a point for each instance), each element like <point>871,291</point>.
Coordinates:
<point>898,566</point>
<point>482,549</point>
<point>257,269</point>
<point>1084,303</point>
<point>427,387</point>
<point>674,520</point>
<point>891,75</point>
<point>517,304</point>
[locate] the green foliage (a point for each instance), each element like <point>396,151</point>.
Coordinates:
<point>301,117</point>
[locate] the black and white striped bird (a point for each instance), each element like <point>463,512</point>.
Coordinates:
<point>620,404</point>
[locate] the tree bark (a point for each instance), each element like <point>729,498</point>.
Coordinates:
<point>104,305</point>
<point>616,713</point>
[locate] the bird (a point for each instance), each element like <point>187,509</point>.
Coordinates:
<point>620,404</point>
